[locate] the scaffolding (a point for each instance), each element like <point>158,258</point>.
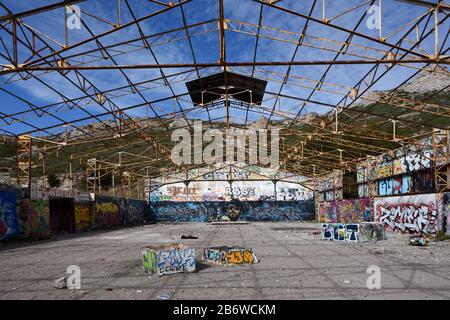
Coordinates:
<point>24,161</point>
<point>336,139</point>
<point>441,159</point>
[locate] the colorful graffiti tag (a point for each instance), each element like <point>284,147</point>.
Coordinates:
<point>35,217</point>
<point>9,222</point>
<point>82,217</point>
<point>106,214</point>
<point>168,260</point>
<point>278,210</point>
<point>181,211</point>
<point>235,210</point>
<point>413,214</point>
<point>340,232</point>
<point>346,211</point>
<point>229,255</point>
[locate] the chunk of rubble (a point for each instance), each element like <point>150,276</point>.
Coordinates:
<point>379,250</point>
<point>419,240</point>
<point>60,283</point>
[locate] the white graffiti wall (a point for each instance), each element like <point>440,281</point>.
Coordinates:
<point>411,214</point>
<point>222,191</point>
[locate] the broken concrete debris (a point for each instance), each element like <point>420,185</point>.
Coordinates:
<point>168,259</point>
<point>419,240</point>
<point>379,250</point>
<point>60,283</point>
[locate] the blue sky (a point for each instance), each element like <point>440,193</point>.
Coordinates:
<point>206,46</point>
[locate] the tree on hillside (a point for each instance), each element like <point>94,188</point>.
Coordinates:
<point>53,181</point>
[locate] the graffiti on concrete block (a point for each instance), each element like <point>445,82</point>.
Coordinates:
<point>340,232</point>
<point>150,261</point>
<point>346,211</point>
<point>229,255</point>
<point>9,222</point>
<point>82,217</point>
<point>169,260</point>
<point>370,231</point>
<point>412,214</point>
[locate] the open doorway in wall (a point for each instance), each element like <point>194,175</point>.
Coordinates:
<point>62,215</point>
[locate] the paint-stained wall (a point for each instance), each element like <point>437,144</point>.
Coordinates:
<point>346,211</point>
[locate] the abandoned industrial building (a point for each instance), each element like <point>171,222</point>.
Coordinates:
<point>224,149</point>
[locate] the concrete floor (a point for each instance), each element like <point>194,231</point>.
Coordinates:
<point>294,264</point>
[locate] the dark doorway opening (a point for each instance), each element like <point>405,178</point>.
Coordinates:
<point>62,215</point>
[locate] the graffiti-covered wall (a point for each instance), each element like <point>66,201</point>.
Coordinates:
<point>412,214</point>
<point>241,210</point>
<point>135,212</point>
<point>9,222</point>
<point>404,171</point>
<point>346,211</point>
<point>278,211</point>
<point>35,219</point>
<point>106,213</point>
<point>114,211</point>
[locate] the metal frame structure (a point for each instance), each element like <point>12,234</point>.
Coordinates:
<point>338,137</point>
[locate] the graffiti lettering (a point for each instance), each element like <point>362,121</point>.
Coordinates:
<point>340,232</point>
<point>413,214</point>
<point>169,261</point>
<point>346,211</point>
<point>229,256</point>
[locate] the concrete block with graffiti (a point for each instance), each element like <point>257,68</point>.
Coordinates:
<point>169,259</point>
<point>340,232</point>
<point>371,231</point>
<point>229,256</point>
